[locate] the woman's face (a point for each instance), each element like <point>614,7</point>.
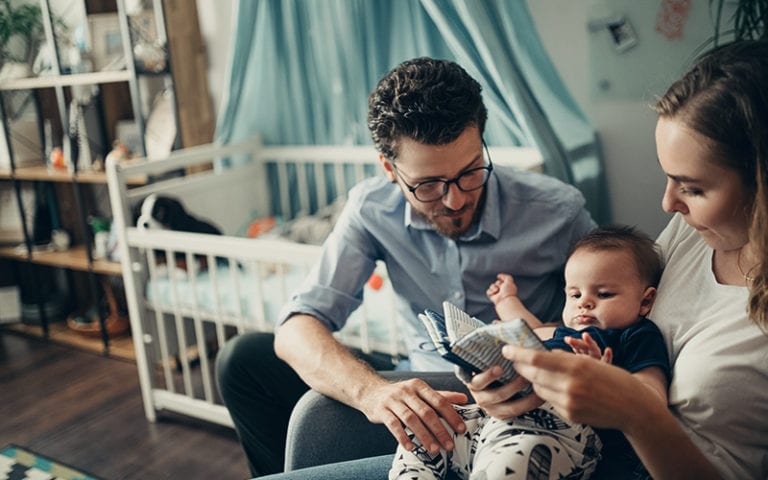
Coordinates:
<point>710,197</point>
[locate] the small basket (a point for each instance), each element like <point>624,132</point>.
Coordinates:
<point>115,323</point>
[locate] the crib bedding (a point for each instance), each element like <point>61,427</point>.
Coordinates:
<point>252,296</point>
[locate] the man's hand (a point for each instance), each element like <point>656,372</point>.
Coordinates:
<point>414,404</point>
<point>496,401</point>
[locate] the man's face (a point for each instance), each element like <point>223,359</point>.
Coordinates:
<point>454,213</point>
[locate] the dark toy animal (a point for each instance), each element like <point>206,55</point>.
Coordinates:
<point>168,213</point>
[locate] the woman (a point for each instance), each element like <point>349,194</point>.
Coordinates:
<point>712,306</point>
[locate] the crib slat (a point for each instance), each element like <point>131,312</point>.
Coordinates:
<point>341,184</point>
<point>239,317</point>
<point>202,349</point>
<point>359,172</point>
<point>213,275</point>
<point>165,359</point>
<point>285,199</point>
<point>259,297</point>
<point>181,332</point>
<point>303,188</point>
<point>322,187</point>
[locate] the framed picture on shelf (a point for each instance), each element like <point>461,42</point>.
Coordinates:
<point>106,42</point>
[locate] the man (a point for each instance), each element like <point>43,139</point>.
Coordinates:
<point>445,221</point>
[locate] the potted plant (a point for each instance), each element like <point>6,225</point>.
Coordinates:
<point>21,31</point>
<point>748,21</point>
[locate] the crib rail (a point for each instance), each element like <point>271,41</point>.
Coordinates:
<point>188,293</point>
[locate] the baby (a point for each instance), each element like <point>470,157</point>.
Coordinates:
<point>611,277</point>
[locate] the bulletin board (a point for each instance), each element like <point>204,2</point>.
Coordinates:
<point>637,49</point>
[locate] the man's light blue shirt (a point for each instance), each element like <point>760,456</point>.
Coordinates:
<point>528,225</point>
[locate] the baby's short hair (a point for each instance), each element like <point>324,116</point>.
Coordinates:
<point>621,237</point>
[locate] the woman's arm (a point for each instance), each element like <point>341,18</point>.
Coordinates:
<point>588,391</point>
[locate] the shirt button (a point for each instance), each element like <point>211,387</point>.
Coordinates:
<point>457,295</point>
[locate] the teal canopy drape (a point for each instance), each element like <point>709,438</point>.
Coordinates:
<point>301,72</point>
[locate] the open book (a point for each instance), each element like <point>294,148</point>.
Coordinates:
<point>473,345</point>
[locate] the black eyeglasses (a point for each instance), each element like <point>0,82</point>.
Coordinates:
<point>467,181</point>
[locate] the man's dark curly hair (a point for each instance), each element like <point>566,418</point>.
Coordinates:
<point>427,100</point>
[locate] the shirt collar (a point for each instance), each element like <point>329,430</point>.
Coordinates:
<point>490,220</point>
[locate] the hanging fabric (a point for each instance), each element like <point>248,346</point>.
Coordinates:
<point>301,71</point>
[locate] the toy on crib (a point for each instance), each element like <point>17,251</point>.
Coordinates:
<point>168,213</point>
<point>159,211</point>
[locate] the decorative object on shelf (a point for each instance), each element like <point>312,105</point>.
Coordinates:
<point>100,227</point>
<point>60,239</point>
<point>21,30</point>
<point>80,149</point>
<point>78,59</point>
<point>42,64</point>
<point>136,7</point>
<point>21,36</point>
<point>150,55</point>
<point>106,42</point>
<point>85,130</point>
<point>14,71</point>
<point>160,133</point>
<point>56,159</point>
<point>89,325</point>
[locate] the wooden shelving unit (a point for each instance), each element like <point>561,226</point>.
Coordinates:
<point>177,31</point>
<point>49,81</point>
<point>118,98</point>
<point>45,174</point>
<point>75,258</point>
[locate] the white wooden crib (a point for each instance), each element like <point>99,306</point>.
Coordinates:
<point>180,318</point>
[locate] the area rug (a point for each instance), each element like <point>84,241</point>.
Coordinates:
<point>19,463</point>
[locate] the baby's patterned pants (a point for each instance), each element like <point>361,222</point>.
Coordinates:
<point>536,445</point>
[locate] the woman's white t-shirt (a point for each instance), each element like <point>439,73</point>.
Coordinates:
<point>719,358</point>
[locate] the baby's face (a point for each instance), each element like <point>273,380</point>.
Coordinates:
<point>604,289</point>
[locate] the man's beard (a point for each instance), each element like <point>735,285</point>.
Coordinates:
<point>456,229</point>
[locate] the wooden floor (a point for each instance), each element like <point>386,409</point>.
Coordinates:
<point>85,409</point>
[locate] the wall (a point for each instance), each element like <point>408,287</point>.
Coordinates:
<point>585,61</point>
<point>622,114</point>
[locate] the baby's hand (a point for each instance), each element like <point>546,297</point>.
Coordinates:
<point>586,345</point>
<point>503,287</point>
